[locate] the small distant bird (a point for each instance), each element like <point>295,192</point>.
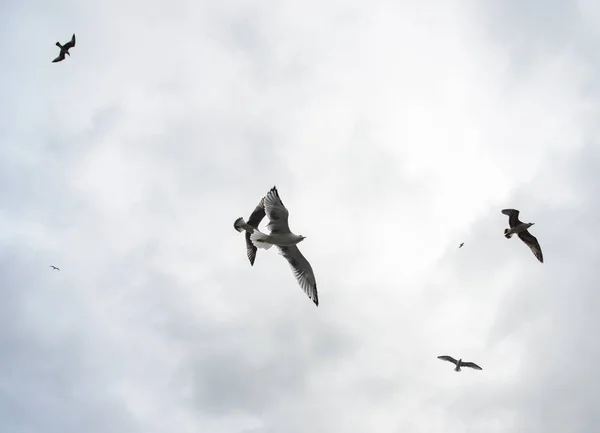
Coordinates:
<point>255,218</point>
<point>285,240</point>
<point>520,229</point>
<point>460,246</point>
<point>459,363</point>
<point>54,267</point>
<point>64,49</point>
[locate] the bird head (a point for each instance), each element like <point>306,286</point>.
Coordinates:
<point>530,224</point>
<point>302,238</point>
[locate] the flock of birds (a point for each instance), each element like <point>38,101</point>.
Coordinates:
<point>286,241</point>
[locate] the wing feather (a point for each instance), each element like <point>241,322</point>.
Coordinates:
<point>302,271</point>
<point>448,358</point>
<point>532,243</point>
<point>277,213</point>
<point>471,365</point>
<point>71,43</point>
<point>60,57</point>
<point>513,217</point>
<point>256,217</point>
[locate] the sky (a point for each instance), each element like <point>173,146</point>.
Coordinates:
<point>393,130</point>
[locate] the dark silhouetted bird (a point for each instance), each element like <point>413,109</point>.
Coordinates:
<point>520,229</point>
<point>64,49</point>
<point>460,246</point>
<point>54,267</point>
<point>459,363</point>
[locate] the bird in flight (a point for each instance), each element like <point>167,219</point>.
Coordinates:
<point>286,241</point>
<point>64,49</point>
<point>240,225</point>
<point>520,229</point>
<point>460,246</point>
<point>459,363</point>
<point>54,267</point>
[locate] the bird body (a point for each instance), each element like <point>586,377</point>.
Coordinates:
<point>517,229</point>
<point>461,245</point>
<point>262,240</point>
<point>64,49</point>
<point>459,363</point>
<point>521,230</point>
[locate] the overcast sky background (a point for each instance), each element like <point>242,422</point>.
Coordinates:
<point>393,131</point>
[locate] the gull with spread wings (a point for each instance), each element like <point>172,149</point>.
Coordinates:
<point>520,229</point>
<point>285,240</point>
<point>64,49</point>
<point>459,363</point>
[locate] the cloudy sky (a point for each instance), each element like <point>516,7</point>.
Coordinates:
<point>393,131</point>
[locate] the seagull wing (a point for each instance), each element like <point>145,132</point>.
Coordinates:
<point>60,57</point>
<point>71,43</point>
<point>448,358</point>
<point>302,271</point>
<point>513,217</point>
<point>277,213</point>
<point>470,365</point>
<point>533,244</point>
<point>255,218</point>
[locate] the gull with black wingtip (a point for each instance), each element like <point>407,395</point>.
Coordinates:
<point>286,241</point>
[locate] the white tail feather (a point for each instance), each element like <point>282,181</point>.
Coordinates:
<point>258,239</point>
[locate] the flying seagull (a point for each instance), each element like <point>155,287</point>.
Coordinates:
<point>286,241</point>
<point>64,49</point>
<point>520,229</point>
<point>54,267</point>
<point>459,363</point>
<point>240,225</point>
<point>460,246</point>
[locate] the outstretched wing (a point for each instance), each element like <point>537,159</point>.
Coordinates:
<point>71,43</point>
<point>60,57</point>
<point>470,365</point>
<point>277,213</point>
<point>448,358</point>
<point>302,271</point>
<point>513,217</point>
<point>255,218</point>
<point>533,244</point>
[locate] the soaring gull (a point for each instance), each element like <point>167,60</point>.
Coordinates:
<point>460,246</point>
<point>240,225</point>
<point>54,267</point>
<point>64,49</point>
<point>285,240</point>
<point>520,229</point>
<point>459,363</point>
